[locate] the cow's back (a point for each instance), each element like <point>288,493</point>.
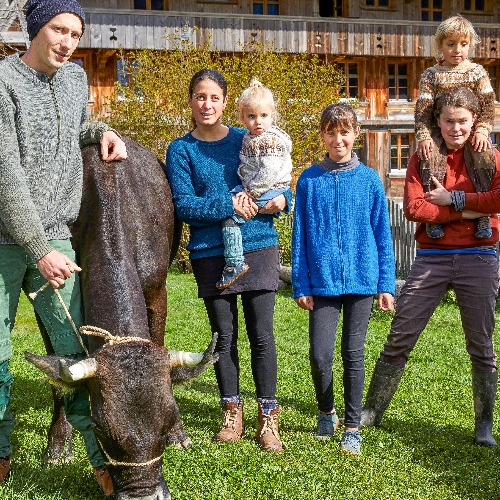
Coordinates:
<point>123,237</point>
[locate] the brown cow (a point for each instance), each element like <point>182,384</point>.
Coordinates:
<point>123,238</point>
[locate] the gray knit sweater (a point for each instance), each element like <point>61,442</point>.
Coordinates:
<point>43,124</point>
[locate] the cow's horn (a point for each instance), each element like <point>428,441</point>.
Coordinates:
<point>86,368</point>
<point>183,358</point>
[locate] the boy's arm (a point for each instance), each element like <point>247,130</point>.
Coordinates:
<point>486,94</point>
<point>424,106</point>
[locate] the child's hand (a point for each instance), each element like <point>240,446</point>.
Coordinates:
<point>470,214</point>
<point>480,142</point>
<point>424,149</point>
<point>275,205</point>
<point>385,301</point>
<point>305,302</point>
<point>244,206</point>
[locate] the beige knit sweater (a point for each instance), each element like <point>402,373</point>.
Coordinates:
<point>439,78</point>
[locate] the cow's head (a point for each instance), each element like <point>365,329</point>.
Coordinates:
<point>133,407</point>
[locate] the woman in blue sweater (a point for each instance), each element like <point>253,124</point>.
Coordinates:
<point>342,255</point>
<point>202,170</point>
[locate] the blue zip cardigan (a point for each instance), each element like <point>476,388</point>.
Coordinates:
<point>341,242</point>
<point>201,175</point>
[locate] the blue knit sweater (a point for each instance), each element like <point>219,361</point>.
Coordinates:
<point>341,242</point>
<point>201,175</point>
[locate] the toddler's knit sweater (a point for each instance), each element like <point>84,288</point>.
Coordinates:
<point>43,124</point>
<point>265,161</point>
<point>437,79</point>
<point>341,242</point>
<point>201,175</point>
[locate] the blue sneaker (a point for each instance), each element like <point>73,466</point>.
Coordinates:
<point>328,423</point>
<point>483,227</point>
<point>351,442</point>
<point>230,274</point>
<point>434,231</point>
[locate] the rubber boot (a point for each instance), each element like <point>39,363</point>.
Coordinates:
<point>383,385</point>
<point>267,434</point>
<point>484,390</point>
<point>232,425</point>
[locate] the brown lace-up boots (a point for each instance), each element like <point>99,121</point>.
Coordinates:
<point>267,435</point>
<point>232,425</point>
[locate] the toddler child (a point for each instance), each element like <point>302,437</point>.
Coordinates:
<point>265,170</point>
<point>454,37</point>
<point>342,255</point>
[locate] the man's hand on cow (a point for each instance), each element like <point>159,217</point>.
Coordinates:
<point>112,147</point>
<point>55,267</point>
<point>275,205</point>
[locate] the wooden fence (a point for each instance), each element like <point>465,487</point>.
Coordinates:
<point>402,239</point>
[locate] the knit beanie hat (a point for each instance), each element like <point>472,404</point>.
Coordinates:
<point>40,12</point>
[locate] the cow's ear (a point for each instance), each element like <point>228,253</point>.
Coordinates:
<point>50,366</point>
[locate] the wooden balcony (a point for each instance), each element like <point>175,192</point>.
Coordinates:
<point>346,37</point>
<point>130,29</point>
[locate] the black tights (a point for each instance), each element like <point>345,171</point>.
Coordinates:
<point>258,309</point>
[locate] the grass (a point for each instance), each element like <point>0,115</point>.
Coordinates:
<point>424,451</point>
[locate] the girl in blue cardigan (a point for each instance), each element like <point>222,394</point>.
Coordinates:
<point>342,255</point>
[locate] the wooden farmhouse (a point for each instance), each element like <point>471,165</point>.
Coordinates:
<point>381,45</point>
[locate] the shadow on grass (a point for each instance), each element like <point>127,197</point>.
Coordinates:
<point>450,455</point>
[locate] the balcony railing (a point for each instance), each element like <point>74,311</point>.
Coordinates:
<point>130,29</point>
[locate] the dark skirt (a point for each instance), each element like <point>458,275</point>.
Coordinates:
<point>263,273</point>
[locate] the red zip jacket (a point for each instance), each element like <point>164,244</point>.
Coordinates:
<point>458,232</point>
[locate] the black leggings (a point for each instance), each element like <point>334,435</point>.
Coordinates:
<point>322,333</point>
<point>258,309</point>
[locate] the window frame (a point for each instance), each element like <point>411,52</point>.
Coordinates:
<point>376,6</point>
<point>431,9</point>
<point>488,8</point>
<point>148,6</point>
<point>397,78</point>
<point>336,5</point>
<point>411,148</point>
<point>347,87</point>
<point>265,4</point>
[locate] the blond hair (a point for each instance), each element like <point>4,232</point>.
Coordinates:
<point>453,27</point>
<point>256,94</point>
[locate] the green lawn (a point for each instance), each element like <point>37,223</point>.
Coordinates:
<point>425,450</point>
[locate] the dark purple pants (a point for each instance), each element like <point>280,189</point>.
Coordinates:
<point>474,278</point>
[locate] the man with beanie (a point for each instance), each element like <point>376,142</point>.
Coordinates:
<point>43,117</point>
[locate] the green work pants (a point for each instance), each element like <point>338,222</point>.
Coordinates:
<point>18,271</point>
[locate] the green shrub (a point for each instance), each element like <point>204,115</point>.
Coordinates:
<point>153,110</point>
